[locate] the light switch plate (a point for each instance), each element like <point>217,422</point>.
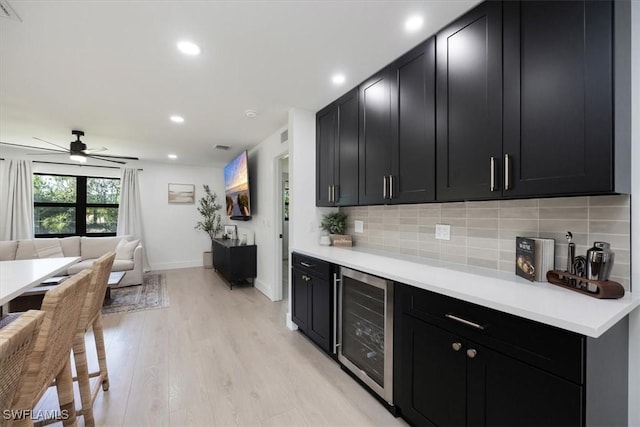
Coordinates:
<point>358,226</point>
<point>443,232</point>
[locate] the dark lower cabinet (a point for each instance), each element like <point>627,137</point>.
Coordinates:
<point>233,261</point>
<point>501,370</point>
<point>312,299</point>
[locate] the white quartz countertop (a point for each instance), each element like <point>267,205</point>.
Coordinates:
<point>538,301</point>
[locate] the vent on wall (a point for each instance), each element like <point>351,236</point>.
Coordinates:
<point>6,11</point>
<point>284,136</point>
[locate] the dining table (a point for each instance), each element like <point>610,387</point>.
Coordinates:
<point>19,276</point>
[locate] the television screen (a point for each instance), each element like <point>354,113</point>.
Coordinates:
<point>236,188</point>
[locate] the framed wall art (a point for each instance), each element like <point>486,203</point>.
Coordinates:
<point>182,193</point>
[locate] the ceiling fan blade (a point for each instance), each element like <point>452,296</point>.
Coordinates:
<point>106,160</point>
<point>94,150</point>
<point>33,148</point>
<point>118,157</point>
<point>57,153</point>
<point>55,145</point>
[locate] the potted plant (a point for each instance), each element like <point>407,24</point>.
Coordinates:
<point>210,224</point>
<point>335,223</point>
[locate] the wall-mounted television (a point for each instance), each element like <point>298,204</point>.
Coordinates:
<point>236,188</point>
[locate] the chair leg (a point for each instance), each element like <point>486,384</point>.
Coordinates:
<point>102,354</point>
<point>64,385</point>
<point>80,357</point>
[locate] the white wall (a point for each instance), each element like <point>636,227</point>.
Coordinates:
<point>264,223</point>
<point>170,239</point>
<point>634,318</point>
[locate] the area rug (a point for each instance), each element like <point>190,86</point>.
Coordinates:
<point>150,295</point>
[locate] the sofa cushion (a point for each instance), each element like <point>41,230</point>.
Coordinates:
<point>26,250</point>
<point>118,265</point>
<point>8,250</point>
<point>70,245</point>
<point>125,249</point>
<point>95,247</point>
<point>48,249</point>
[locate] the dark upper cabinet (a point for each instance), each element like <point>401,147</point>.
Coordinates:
<point>375,138</point>
<point>337,152</point>
<point>397,130</point>
<point>413,137</point>
<point>558,111</point>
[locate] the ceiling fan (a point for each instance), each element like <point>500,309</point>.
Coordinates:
<point>77,150</point>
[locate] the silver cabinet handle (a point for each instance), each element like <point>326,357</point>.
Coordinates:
<point>464,321</point>
<point>335,313</point>
<point>304,264</point>
<point>456,346</point>
<point>506,172</point>
<point>471,353</point>
<point>493,174</point>
<point>329,194</point>
<point>384,187</point>
<point>333,193</point>
<point>390,186</point>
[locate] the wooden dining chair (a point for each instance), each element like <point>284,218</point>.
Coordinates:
<point>50,359</point>
<point>17,340</point>
<point>91,317</point>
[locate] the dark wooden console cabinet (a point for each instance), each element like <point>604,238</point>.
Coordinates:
<point>233,261</point>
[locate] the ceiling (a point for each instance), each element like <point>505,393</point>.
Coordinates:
<point>111,68</point>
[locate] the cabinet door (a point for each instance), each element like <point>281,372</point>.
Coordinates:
<point>413,126</point>
<point>558,96</point>
<point>346,150</point>
<point>325,154</point>
<point>503,391</point>
<point>469,104</point>
<point>431,389</point>
<point>375,138</point>
<point>300,300</point>
<point>320,303</point>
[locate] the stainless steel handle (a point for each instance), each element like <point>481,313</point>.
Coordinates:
<point>304,264</point>
<point>456,346</point>
<point>329,193</point>
<point>471,353</point>
<point>464,321</point>
<point>506,172</point>
<point>335,313</point>
<point>493,174</point>
<point>384,187</point>
<point>390,186</point>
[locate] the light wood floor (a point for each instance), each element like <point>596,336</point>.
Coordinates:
<point>218,357</point>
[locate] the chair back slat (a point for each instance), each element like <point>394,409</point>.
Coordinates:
<point>97,289</point>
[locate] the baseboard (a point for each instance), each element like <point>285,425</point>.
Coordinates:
<point>290,323</point>
<point>264,288</point>
<point>177,264</point>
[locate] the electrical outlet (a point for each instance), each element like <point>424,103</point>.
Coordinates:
<point>358,226</point>
<point>443,232</point>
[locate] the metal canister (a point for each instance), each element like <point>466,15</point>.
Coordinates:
<point>599,263</point>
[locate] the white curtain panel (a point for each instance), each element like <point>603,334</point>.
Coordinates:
<point>17,213</point>
<point>130,210</point>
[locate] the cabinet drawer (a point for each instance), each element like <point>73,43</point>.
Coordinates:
<point>555,350</point>
<point>313,266</point>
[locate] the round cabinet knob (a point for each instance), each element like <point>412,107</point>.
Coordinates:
<point>471,353</point>
<point>456,346</point>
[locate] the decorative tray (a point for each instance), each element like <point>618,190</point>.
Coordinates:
<point>606,289</point>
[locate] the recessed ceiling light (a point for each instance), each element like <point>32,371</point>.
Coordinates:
<point>250,114</point>
<point>338,79</point>
<point>177,119</point>
<point>172,156</point>
<point>414,23</point>
<point>188,48</point>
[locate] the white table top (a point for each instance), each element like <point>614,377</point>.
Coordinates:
<point>21,275</point>
<point>538,301</point>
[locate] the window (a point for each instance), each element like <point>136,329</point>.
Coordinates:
<point>75,205</point>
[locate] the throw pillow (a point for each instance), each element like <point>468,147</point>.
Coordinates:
<point>8,250</point>
<point>125,249</point>
<point>49,250</point>
<point>26,250</point>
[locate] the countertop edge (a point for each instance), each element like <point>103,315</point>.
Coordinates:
<point>605,321</point>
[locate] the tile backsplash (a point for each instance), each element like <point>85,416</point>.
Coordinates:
<point>483,233</point>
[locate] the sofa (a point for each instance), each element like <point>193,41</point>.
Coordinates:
<point>128,253</point>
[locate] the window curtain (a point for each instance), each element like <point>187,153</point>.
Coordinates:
<point>130,210</point>
<point>17,214</point>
